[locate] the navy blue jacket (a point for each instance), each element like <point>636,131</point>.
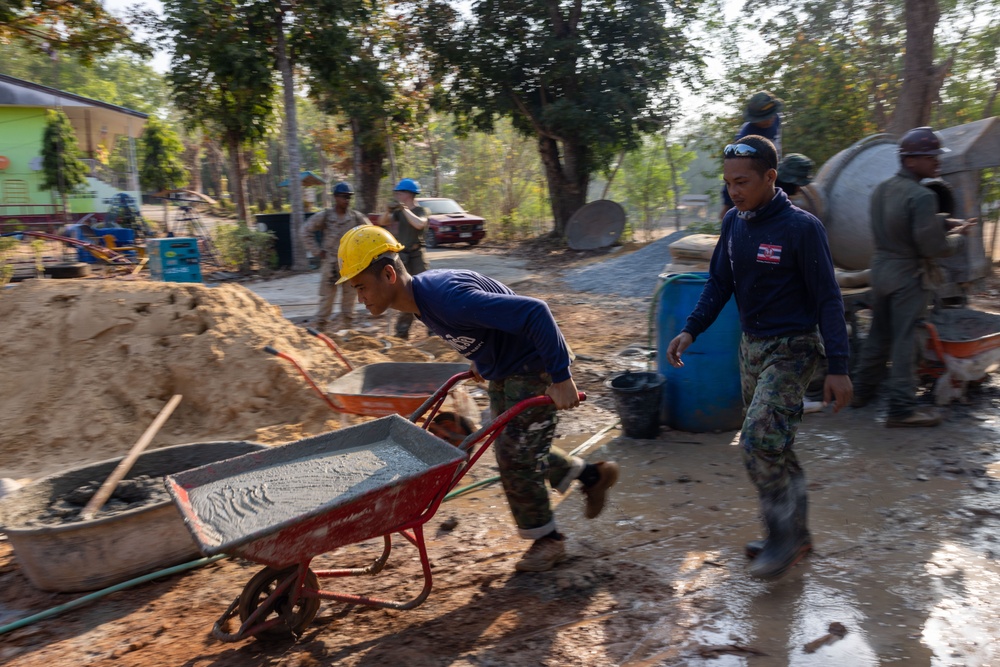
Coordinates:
<point>777,261</point>
<point>502,332</point>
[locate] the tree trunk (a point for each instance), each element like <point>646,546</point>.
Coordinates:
<point>238,179</point>
<point>369,157</point>
<point>921,79</point>
<point>611,177</point>
<point>299,261</point>
<point>566,180</point>
<point>675,185</point>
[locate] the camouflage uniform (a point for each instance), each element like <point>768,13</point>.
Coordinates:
<point>333,227</point>
<point>413,256</point>
<point>774,374</point>
<point>526,456</point>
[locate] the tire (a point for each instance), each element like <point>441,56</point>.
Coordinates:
<point>68,270</point>
<point>296,619</point>
<point>430,238</point>
<point>473,242</point>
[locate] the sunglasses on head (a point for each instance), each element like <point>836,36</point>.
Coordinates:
<point>345,196</point>
<point>739,150</point>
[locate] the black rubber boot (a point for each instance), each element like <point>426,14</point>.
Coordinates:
<point>798,489</point>
<point>785,513</point>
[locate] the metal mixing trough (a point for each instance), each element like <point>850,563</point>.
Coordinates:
<point>88,555</point>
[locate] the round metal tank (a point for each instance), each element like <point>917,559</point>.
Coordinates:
<point>847,181</point>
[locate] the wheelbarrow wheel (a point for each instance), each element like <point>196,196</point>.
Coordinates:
<point>295,619</point>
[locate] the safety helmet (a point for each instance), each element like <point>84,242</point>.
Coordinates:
<point>921,141</point>
<point>408,185</point>
<point>762,106</point>
<point>343,188</point>
<point>361,246</point>
<point>795,168</point>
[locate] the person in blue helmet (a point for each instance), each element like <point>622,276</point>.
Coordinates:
<point>762,118</point>
<point>332,223</point>
<point>411,221</point>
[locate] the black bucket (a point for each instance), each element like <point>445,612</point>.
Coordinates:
<point>637,397</point>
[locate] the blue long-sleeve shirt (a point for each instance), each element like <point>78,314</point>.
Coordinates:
<point>502,332</point>
<point>777,262</point>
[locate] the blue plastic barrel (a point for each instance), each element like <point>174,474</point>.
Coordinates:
<point>704,395</point>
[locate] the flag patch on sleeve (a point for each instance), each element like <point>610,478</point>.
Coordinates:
<point>769,254</point>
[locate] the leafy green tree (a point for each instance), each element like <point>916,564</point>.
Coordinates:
<point>118,77</point>
<point>162,163</point>
<point>361,67</point>
<point>221,75</point>
<point>62,170</point>
<point>583,78</point>
<point>651,180</point>
<point>84,28</point>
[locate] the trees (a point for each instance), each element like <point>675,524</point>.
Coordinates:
<point>221,77</point>
<point>62,171</point>
<point>83,28</point>
<point>162,161</point>
<point>583,77</point>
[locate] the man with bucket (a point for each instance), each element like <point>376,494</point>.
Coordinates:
<point>514,343</point>
<point>774,258</point>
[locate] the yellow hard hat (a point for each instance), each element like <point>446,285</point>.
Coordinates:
<point>362,245</point>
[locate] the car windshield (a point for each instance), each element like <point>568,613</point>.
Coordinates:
<point>441,206</point>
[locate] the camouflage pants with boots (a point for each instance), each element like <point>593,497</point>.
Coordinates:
<point>775,373</point>
<point>328,289</point>
<point>526,456</point>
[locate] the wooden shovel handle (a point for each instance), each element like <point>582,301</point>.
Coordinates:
<point>102,495</point>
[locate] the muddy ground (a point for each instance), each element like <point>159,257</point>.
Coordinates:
<point>905,525</point>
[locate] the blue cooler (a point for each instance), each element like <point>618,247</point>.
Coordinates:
<point>175,260</point>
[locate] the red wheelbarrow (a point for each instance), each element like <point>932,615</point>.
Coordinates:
<point>379,389</point>
<point>285,506</point>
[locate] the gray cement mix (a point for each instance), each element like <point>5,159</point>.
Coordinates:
<point>251,502</point>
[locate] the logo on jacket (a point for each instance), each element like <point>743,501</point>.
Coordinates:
<point>463,344</point>
<point>769,254</point>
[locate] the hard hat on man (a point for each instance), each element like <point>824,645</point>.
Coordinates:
<point>362,245</point>
<point>343,188</point>
<point>921,141</point>
<point>408,185</point>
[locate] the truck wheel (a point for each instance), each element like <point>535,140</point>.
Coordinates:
<point>68,270</point>
<point>431,238</point>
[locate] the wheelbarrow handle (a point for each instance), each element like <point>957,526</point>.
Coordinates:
<point>333,346</point>
<point>501,422</point>
<point>437,399</point>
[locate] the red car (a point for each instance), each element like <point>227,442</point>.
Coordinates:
<point>448,223</point>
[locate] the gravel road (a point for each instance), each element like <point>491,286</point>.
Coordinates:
<point>635,274</point>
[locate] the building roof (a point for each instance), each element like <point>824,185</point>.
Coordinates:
<point>94,122</point>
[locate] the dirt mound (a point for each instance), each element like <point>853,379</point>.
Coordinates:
<point>87,366</point>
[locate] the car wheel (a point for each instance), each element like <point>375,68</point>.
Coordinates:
<point>431,238</point>
<point>474,242</point>
<point>69,270</point>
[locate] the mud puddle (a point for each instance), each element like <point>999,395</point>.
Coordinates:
<point>904,524</point>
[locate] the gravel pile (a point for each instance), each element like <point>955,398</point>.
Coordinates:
<point>635,274</point>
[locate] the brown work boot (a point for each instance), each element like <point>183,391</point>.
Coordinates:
<point>542,556</point>
<point>919,417</point>
<point>597,493</point>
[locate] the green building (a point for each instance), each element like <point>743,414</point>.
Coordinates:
<point>98,127</point>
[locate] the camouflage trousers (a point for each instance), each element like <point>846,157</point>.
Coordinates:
<point>328,289</point>
<point>415,262</point>
<point>774,374</point>
<point>526,456</point>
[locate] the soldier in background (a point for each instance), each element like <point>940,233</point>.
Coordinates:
<point>411,220</point>
<point>333,223</point>
<point>909,233</point>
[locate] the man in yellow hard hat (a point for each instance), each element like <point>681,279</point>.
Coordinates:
<point>513,342</point>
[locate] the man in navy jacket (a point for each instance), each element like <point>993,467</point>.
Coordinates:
<point>775,259</point>
<point>514,343</point>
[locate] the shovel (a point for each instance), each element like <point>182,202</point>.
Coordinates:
<point>103,493</point>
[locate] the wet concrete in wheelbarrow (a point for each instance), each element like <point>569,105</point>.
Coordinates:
<point>904,523</point>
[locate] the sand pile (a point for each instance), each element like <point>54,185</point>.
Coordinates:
<point>87,365</point>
